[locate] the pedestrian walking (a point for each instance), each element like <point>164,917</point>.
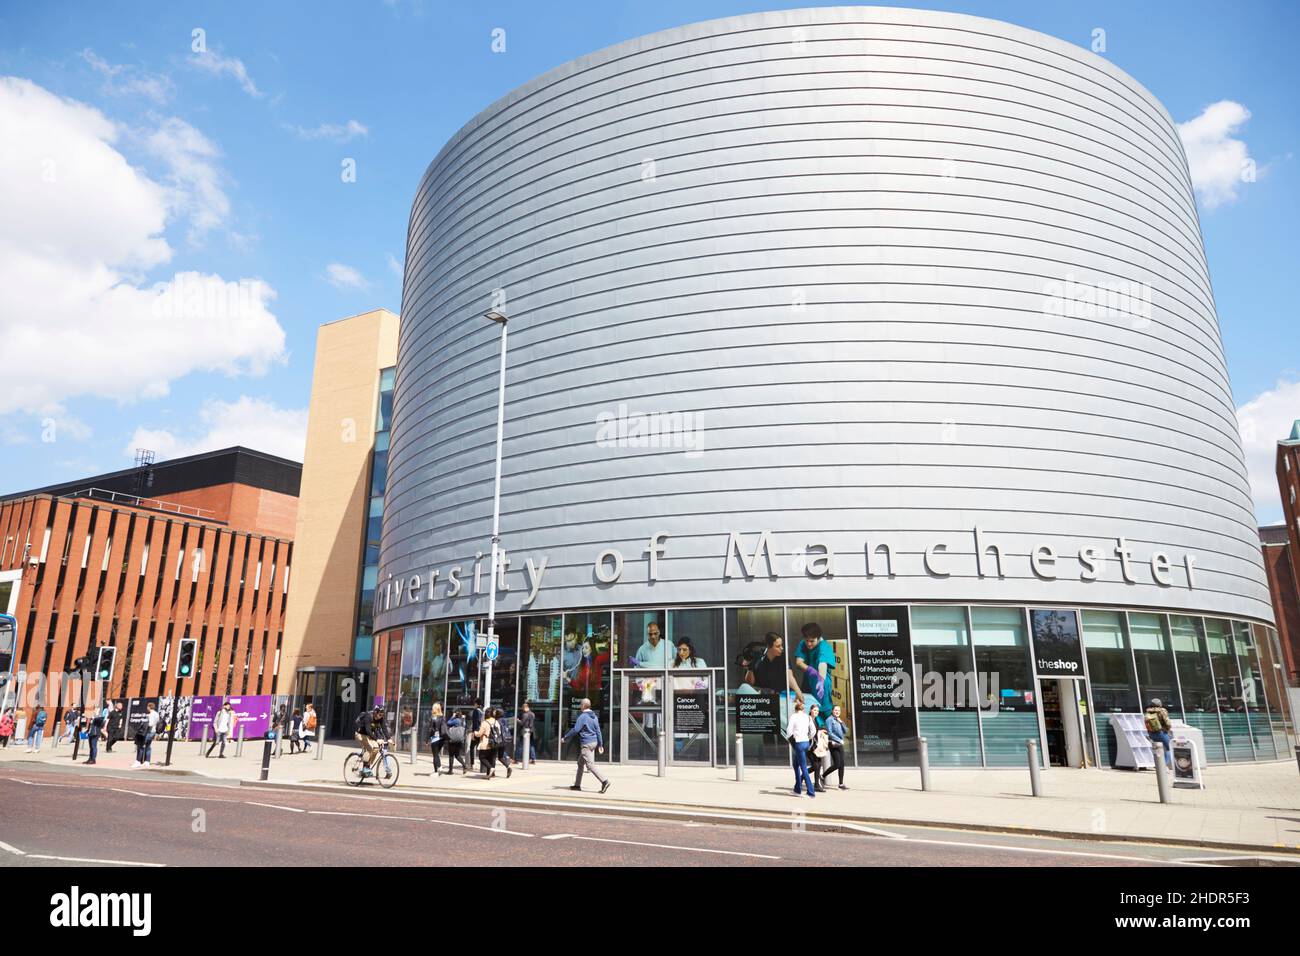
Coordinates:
<point>151,720</point>
<point>222,724</point>
<point>94,727</point>
<point>69,725</point>
<point>799,732</point>
<point>819,751</point>
<point>475,720</point>
<point>836,732</point>
<point>590,742</point>
<point>456,734</point>
<point>1158,729</point>
<point>295,732</point>
<point>488,736</point>
<point>116,726</point>
<point>507,741</point>
<point>309,722</point>
<point>36,729</point>
<point>6,728</point>
<point>527,720</point>
<point>437,736</point>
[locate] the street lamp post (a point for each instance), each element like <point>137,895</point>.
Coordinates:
<point>499,318</point>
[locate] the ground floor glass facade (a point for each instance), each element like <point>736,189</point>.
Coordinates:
<point>976,682</point>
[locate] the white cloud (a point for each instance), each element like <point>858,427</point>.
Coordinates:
<point>219,65</point>
<point>345,277</point>
<point>128,80</point>
<point>1217,161</point>
<point>193,177</point>
<point>1265,420</point>
<point>251,422</point>
<point>338,132</point>
<point>78,224</point>
<point>394,265</point>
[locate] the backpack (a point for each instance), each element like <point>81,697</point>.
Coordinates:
<point>311,721</point>
<point>1153,722</point>
<point>494,734</point>
<point>456,733</point>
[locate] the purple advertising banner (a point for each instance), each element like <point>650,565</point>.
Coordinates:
<point>201,713</point>
<point>251,713</point>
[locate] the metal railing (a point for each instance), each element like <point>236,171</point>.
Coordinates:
<point>155,504</point>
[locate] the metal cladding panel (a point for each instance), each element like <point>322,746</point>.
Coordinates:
<point>885,276</point>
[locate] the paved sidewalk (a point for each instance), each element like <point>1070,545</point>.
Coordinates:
<point>1244,805</point>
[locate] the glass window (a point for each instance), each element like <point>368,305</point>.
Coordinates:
<point>641,640</point>
<point>819,657</point>
<point>462,664</point>
<point>433,675</point>
<point>384,419</point>
<point>1252,691</point>
<point>882,720</point>
<point>1227,688</point>
<point>409,687</point>
<point>1006,683</point>
<point>1274,689</point>
<point>1154,655</point>
<point>948,693</point>
<point>539,683</point>
<point>1110,671</point>
<point>379,474</point>
<point>588,643</point>
<point>758,680</point>
<point>1200,708</point>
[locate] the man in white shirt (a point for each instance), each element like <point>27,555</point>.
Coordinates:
<point>222,724</point>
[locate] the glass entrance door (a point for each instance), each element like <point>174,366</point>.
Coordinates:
<point>642,715</point>
<point>1067,729</point>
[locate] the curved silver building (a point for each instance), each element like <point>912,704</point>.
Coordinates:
<point>819,313</point>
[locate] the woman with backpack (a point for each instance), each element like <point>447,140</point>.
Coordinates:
<point>437,735</point>
<point>507,740</point>
<point>36,730</point>
<point>489,739</point>
<point>456,743</point>
<point>295,732</point>
<point>308,726</point>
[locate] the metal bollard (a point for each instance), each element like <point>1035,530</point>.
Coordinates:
<point>319,741</point>
<point>740,757</point>
<point>1035,778</point>
<point>415,746</point>
<point>203,744</point>
<point>239,744</point>
<point>663,755</point>
<point>923,750</point>
<point>1162,772</point>
<point>266,757</point>
<point>528,746</point>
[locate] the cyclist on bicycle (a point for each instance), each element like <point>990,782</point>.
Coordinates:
<point>372,730</point>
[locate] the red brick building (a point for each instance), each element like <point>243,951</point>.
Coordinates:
<point>197,547</point>
<point>1282,553</point>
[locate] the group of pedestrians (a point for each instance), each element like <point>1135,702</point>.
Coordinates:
<point>484,734</point>
<point>92,724</point>
<point>816,747</point>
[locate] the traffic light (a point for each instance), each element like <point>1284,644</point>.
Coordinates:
<point>185,657</point>
<point>104,666</point>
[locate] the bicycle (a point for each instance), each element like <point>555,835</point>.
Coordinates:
<point>385,769</point>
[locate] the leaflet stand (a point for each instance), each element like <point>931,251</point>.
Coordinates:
<point>1132,744</point>
<point>1187,765</point>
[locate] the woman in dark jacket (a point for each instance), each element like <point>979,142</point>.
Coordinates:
<point>116,726</point>
<point>457,736</point>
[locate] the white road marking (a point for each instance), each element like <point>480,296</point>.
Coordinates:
<point>11,849</point>
<point>274,806</point>
<point>446,823</point>
<point>89,859</point>
<point>1029,849</point>
<point>659,846</point>
<point>368,816</point>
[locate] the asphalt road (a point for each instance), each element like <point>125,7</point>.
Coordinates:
<point>58,818</point>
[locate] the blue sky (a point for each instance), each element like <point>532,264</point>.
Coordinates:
<point>227,164</point>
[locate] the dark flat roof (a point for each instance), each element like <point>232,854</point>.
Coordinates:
<point>238,465</point>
